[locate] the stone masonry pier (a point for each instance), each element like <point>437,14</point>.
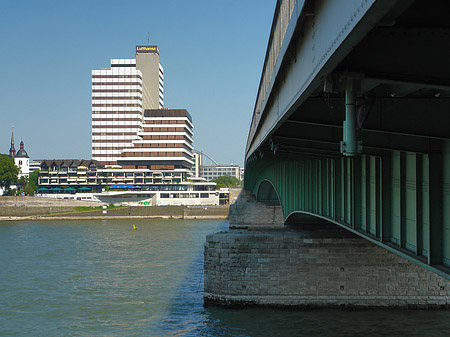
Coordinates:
<point>312,265</point>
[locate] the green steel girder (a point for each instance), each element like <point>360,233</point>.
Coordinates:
<point>399,200</point>
<point>397,193</point>
<point>401,118</point>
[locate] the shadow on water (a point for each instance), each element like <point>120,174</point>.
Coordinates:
<point>325,322</point>
<point>186,313</point>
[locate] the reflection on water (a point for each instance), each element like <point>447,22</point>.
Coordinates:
<point>104,278</point>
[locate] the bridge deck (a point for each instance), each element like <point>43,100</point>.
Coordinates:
<point>352,118</point>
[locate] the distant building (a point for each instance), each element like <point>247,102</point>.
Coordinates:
<point>213,172</point>
<point>89,180</point>
<point>76,173</point>
<point>147,62</point>
<point>20,157</point>
<point>185,193</point>
<point>35,165</point>
<point>141,152</point>
<point>120,95</point>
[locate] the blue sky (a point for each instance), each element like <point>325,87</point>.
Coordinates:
<point>212,53</point>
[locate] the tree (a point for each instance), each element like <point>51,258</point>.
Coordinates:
<point>227,181</point>
<point>29,184</point>
<point>8,172</point>
<point>32,183</point>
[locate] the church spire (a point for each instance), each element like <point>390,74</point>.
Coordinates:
<point>12,150</point>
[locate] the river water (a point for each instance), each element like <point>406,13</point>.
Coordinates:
<point>102,278</point>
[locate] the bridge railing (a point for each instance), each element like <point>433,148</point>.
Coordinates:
<point>282,17</point>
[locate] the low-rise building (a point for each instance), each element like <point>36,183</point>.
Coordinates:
<point>213,172</point>
<point>141,187</point>
<point>185,193</point>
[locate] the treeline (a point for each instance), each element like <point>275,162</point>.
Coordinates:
<point>9,173</point>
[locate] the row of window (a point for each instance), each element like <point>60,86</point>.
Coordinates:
<point>142,174</point>
<point>117,105</point>
<point>147,146</point>
<point>108,147</point>
<point>160,145</point>
<point>116,119</point>
<point>169,121</point>
<point>44,171</point>
<point>184,195</point>
<point>152,154</point>
<point>116,83</point>
<point>117,90</point>
<point>116,97</point>
<point>116,112</point>
<point>207,169</point>
<point>116,127</point>
<point>117,76</point>
<point>114,134</point>
<point>155,129</point>
<point>98,182</point>
<point>123,65</point>
<point>164,137</point>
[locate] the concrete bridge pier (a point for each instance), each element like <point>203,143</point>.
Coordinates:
<point>309,263</point>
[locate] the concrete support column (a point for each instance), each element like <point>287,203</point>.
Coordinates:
<point>349,144</point>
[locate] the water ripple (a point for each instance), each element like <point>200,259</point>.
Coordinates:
<point>101,278</point>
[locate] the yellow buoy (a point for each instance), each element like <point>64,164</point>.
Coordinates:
<point>134,227</point>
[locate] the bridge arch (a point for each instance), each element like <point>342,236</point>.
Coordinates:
<point>267,192</point>
<point>300,218</point>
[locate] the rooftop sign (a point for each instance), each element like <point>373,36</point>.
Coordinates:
<point>147,49</point>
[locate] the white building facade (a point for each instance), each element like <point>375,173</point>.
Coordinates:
<point>165,142</point>
<point>22,161</point>
<point>119,96</point>
<point>116,109</point>
<point>213,172</point>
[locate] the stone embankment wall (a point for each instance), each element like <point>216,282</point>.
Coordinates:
<point>205,212</point>
<point>21,211</point>
<point>44,202</point>
<point>17,208</point>
<point>293,269</point>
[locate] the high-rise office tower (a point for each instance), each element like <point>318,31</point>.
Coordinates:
<point>119,96</point>
<point>147,61</point>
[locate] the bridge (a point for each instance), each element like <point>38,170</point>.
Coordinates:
<point>352,123</point>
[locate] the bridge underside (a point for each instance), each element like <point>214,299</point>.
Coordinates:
<point>396,191</point>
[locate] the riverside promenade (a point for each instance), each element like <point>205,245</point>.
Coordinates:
<point>37,208</point>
